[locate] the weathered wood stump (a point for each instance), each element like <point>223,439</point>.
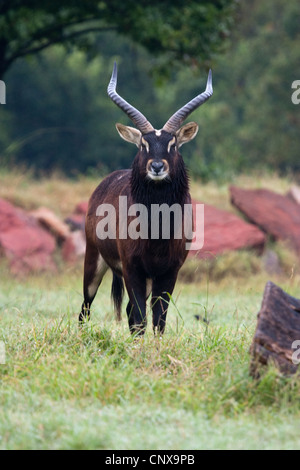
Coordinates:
<point>278,327</point>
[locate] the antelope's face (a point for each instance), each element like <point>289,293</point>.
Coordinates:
<point>158,150</point>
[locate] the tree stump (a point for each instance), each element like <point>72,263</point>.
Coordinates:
<point>277,336</point>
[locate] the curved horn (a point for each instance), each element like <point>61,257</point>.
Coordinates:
<point>173,124</point>
<point>136,116</point>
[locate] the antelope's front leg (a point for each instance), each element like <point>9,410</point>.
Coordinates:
<point>136,308</point>
<point>162,289</point>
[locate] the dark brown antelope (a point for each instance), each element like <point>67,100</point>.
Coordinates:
<point>147,261</point>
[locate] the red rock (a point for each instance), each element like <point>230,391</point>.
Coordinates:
<point>10,216</point>
<point>76,222</point>
<point>27,245</point>
<point>49,220</point>
<point>294,194</point>
<point>74,246</point>
<point>277,215</point>
<point>224,231</point>
<point>81,207</point>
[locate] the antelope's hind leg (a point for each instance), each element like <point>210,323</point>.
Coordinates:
<point>94,269</point>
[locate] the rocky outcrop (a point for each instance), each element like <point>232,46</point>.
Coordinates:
<point>27,245</point>
<point>224,231</point>
<point>275,214</point>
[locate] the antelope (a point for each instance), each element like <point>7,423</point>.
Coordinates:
<point>157,176</point>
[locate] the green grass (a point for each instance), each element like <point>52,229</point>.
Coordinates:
<point>99,388</point>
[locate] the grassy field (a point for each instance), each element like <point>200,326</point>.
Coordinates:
<point>98,388</point>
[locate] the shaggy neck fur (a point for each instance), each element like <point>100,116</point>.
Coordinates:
<point>169,191</point>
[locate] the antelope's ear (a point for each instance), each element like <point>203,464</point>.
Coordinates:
<point>186,133</point>
<point>130,134</point>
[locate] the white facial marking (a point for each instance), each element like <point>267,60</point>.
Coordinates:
<point>158,133</point>
<point>172,141</point>
<point>144,142</point>
<point>159,177</point>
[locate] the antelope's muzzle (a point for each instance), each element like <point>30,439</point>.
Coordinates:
<point>157,169</point>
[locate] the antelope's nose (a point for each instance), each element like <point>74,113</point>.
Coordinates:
<point>157,166</point>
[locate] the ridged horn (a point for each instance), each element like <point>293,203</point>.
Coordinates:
<point>175,121</point>
<point>136,116</point>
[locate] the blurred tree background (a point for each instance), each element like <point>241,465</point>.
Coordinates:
<point>56,59</point>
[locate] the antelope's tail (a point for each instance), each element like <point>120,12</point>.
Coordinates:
<point>117,293</point>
